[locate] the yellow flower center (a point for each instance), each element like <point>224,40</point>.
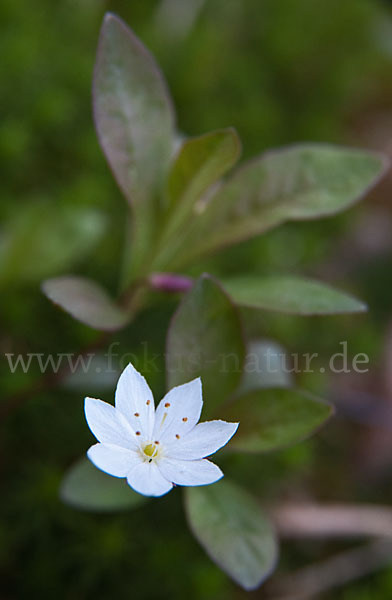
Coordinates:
<point>151,451</point>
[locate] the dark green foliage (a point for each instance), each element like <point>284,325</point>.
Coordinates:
<point>279,72</point>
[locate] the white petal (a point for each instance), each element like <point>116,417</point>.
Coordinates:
<point>190,472</point>
<point>179,411</point>
<point>108,424</point>
<point>135,400</point>
<point>146,479</point>
<point>204,439</point>
<point>113,459</point>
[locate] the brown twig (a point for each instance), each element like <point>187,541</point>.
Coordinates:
<point>309,582</point>
<point>336,521</point>
<point>333,520</point>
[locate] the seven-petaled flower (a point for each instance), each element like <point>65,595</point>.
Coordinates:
<point>155,449</point>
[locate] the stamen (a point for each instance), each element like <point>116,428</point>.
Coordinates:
<point>148,402</point>
<point>163,418</point>
<point>156,442</point>
<point>167,404</point>
<point>136,415</point>
<point>185,419</point>
<point>177,436</point>
<point>138,433</point>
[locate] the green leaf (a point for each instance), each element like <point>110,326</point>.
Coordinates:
<point>87,488</point>
<point>205,340</point>
<point>133,111</point>
<point>271,419</point>
<point>301,182</point>
<point>288,294</point>
<point>233,530</point>
<point>134,120</point>
<point>265,367</point>
<point>44,238</point>
<point>86,301</point>
<point>200,162</point>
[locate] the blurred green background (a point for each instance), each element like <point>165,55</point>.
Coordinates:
<point>280,72</point>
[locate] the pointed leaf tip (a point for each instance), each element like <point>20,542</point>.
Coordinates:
<point>299,182</point>
<point>290,294</point>
<point>235,533</point>
<point>133,111</point>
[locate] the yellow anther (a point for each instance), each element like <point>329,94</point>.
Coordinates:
<point>150,450</point>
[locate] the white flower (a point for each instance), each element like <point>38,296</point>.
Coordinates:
<point>155,449</point>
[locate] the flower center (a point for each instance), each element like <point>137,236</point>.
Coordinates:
<point>151,451</point>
